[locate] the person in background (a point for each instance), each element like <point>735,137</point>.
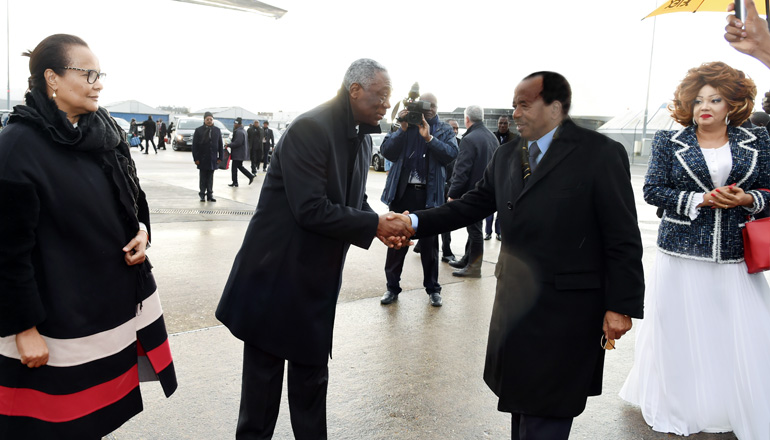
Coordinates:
<point>420,153</point>
<point>479,144</point>
<point>239,152</point>
<point>207,152</point>
<point>81,322</point>
<point>161,134</point>
<point>707,177</point>
<point>149,135</point>
<point>254,134</point>
<point>268,143</point>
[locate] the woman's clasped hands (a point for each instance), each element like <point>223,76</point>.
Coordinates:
<point>725,197</point>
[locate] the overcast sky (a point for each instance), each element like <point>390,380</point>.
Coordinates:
<point>163,52</point>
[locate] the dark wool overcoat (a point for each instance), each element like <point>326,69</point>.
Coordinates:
<point>282,291</point>
<point>571,250</point>
<point>66,214</point>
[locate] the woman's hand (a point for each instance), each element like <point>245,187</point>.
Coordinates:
<point>135,248</point>
<point>32,348</point>
<point>728,197</point>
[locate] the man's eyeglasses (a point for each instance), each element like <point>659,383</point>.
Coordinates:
<point>93,75</point>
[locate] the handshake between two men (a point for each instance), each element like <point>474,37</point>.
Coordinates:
<point>395,230</point>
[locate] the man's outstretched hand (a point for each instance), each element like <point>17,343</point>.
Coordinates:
<point>394,230</point>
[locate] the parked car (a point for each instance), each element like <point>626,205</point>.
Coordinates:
<point>181,137</point>
<point>122,123</point>
<point>378,160</point>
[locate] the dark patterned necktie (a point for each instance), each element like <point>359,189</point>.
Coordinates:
<point>534,151</point>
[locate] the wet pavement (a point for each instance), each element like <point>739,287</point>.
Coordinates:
<point>404,371</point>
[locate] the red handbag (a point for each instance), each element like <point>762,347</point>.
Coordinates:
<point>756,244</point>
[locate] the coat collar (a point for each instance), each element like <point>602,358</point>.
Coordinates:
<point>345,112</point>
<point>565,140</point>
<point>688,153</point>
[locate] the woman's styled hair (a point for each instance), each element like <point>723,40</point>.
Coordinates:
<point>733,86</point>
<point>51,53</point>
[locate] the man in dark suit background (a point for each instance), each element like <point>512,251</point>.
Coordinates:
<point>149,134</point>
<point>268,142</point>
<point>478,146</point>
<point>207,152</point>
<point>161,134</point>
<point>569,271</point>
<point>254,134</point>
<point>281,300</point>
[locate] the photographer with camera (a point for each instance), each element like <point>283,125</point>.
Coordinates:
<point>420,151</point>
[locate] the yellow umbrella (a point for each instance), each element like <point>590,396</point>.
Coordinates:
<point>698,5</point>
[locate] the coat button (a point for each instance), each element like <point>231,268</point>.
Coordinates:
<point>510,205</point>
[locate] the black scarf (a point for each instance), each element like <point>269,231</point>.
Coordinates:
<point>96,133</point>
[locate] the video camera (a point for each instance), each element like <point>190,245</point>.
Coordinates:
<point>416,108</point>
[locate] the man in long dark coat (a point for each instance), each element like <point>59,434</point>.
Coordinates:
<point>239,152</point>
<point>254,134</point>
<point>207,150</point>
<point>149,134</point>
<point>281,300</point>
<point>570,266</point>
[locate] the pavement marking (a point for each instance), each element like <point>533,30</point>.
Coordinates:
<point>200,211</point>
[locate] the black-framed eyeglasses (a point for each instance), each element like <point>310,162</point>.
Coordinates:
<point>93,75</point>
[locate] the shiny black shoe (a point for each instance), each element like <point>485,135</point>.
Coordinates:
<point>212,199</point>
<point>251,179</point>
<point>467,272</point>
<point>448,258</point>
<point>458,264</point>
<point>202,199</point>
<point>499,238</point>
<point>488,237</point>
<point>389,298</point>
<point>435,299</point>
<point>234,185</point>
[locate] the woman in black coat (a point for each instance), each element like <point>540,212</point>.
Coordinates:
<point>80,315</point>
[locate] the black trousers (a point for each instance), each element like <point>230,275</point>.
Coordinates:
<point>236,166</point>
<point>261,397</point>
<point>488,227</point>
<point>255,156</point>
<point>413,200</point>
<point>206,183</point>
<point>147,141</point>
<point>266,154</point>
<point>527,427</point>
<point>474,247</point>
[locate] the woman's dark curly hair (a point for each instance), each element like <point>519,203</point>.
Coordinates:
<point>734,86</point>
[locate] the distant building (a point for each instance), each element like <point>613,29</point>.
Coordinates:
<point>136,110</point>
<point>627,128</point>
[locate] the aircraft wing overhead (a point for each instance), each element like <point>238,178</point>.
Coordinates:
<point>242,5</point>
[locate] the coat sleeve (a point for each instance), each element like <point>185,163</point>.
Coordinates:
<point>475,205</point>
<point>622,242</point>
<point>393,145</point>
<point>443,147</point>
<point>461,175</point>
<point>658,187</point>
<point>761,198</point>
<point>305,156</point>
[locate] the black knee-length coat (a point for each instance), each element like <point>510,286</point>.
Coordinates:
<point>282,291</point>
<point>571,250</point>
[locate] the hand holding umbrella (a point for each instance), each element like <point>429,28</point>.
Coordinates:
<point>752,36</point>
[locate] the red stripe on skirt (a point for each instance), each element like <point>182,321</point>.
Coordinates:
<point>25,402</point>
<point>160,356</point>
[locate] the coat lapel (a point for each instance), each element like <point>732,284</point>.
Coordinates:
<point>562,146</point>
<point>744,156</point>
<point>690,157</point>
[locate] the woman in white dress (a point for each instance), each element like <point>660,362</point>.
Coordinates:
<point>702,359</point>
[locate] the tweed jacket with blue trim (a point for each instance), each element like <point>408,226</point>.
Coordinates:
<point>678,173</point>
